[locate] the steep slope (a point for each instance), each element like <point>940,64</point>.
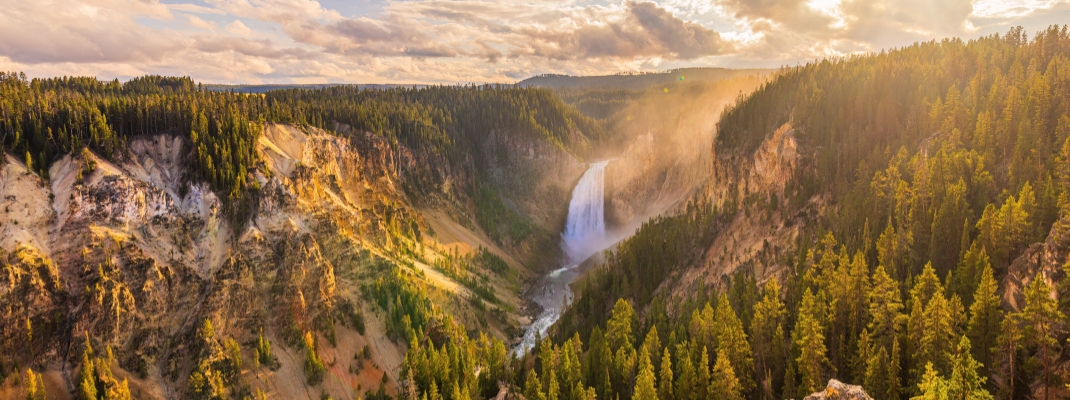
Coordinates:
<point>159,262</point>
<point>250,256</point>
<point>890,220</point>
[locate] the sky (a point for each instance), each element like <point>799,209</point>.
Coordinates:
<point>472,41</point>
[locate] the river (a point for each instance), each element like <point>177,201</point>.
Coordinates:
<point>585,234</point>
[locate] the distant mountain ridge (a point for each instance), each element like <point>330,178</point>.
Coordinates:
<point>639,81</point>
<point>257,89</point>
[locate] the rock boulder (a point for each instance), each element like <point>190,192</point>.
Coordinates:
<point>837,390</point>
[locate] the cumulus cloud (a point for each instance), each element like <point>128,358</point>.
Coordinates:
<point>808,29</point>
<point>92,31</point>
<point>263,48</point>
<point>443,41</point>
<point>198,22</point>
<point>238,28</point>
<point>393,37</point>
<point>643,30</point>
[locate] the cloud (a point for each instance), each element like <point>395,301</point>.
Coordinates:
<point>256,48</point>
<point>194,9</point>
<point>393,37</point>
<point>449,41</point>
<point>87,32</point>
<point>1012,8</point>
<point>238,28</point>
<point>800,30</point>
<point>636,30</point>
<point>681,38</point>
<point>198,22</point>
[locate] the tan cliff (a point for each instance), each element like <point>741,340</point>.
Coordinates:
<point>757,234</point>
<point>136,256</point>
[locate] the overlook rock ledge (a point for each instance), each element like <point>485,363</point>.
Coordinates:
<point>837,390</point>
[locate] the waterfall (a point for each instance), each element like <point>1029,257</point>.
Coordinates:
<point>585,230</point>
<point>585,233</point>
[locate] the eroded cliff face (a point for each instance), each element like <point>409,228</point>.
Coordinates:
<point>136,256</point>
<point>1050,259</point>
<point>534,176</point>
<point>750,188</point>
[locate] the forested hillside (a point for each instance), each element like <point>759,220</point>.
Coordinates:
<point>897,220</point>
<point>924,195</point>
<point>162,240</point>
<point>44,119</point>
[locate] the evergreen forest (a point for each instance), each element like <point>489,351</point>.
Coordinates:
<point>931,200</point>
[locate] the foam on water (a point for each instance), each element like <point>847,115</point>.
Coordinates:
<point>585,233</point>
<point>585,230</point>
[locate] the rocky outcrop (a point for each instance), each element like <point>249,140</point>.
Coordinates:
<point>752,187</point>
<point>738,176</point>
<point>31,294</point>
<point>1047,258</point>
<point>136,255</point>
<point>837,390</point>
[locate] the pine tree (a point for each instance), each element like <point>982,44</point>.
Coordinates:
<point>860,362</point>
<point>967,275</point>
<point>882,372</point>
<point>532,387</point>
<point>568,369</point>
<point>624,363</point>
<point>652,344</point>
<point>885,309</point>
<point>790,379</point>
<point>767,330</point>
<point>645,388</point>
<point>35,386</point>
<point>553,389</point>
<point>893,248</point>
<point>435,395</point>
<point>1042,325</point>
<point>702,381</point>
<point>723,383</point>
<point>579,393</point>
<point>966,382</point>
<point>547,359</point>
<point>121,391</point>
<point>1007,356</point>
<point>619,327</point>
<point>895,370</point>
<point>665,378</point>
<point>685,383</point>
<point>936,337</point>
<point>932,386</point>
<point>985,316</point>
<point>732,340</point>
<point>314,368</point>
<point>87,381</point>
<point>809,338</point>
<point>947,228</point>
<point>926,285</point>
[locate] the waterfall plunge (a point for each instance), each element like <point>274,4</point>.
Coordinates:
<point>585,233</point>
<point>585,230</point>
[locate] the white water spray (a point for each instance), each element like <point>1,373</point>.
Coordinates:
<point>585,234</point>
<point>585,229</point>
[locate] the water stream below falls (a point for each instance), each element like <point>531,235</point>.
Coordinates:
<point>585,234</point>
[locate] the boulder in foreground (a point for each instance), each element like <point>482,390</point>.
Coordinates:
<point>837,390</point>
